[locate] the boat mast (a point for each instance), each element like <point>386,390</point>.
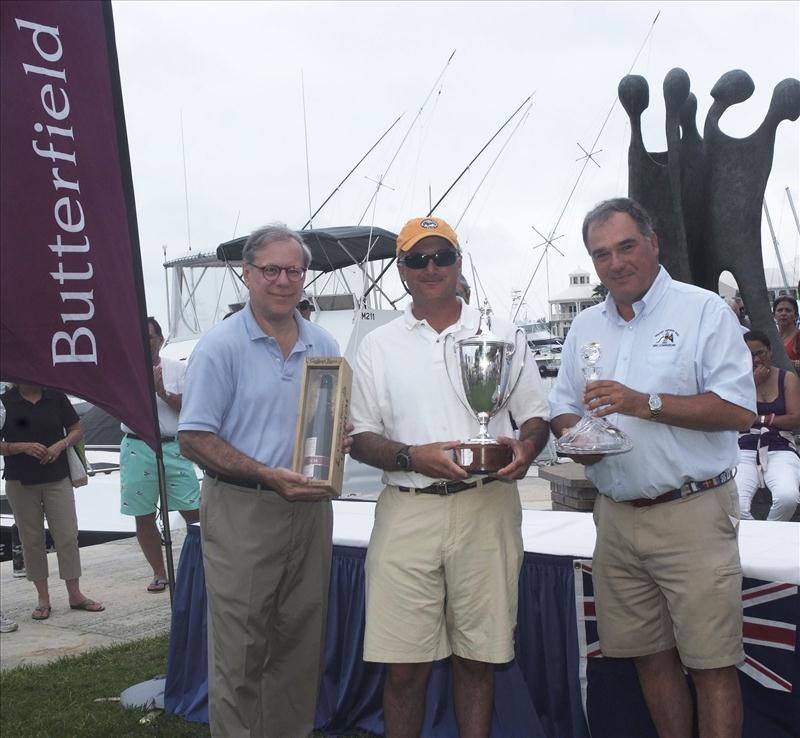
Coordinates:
<point>305,134</point>
<point>347,176</point>
<point>186,187</point>
<point>777,247</point>
<point>475,158</point>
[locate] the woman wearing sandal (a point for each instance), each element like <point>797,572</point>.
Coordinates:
<point>40,425</point>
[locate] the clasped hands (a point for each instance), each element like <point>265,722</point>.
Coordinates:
<point>44,454</point>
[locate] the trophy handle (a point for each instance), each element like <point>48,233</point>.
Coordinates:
<point>449,340</point>
<point>519,333</point>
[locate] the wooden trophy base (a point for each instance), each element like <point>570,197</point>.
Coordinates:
<point>483,458</point>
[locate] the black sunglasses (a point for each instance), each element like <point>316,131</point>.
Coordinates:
<point>442,258</point>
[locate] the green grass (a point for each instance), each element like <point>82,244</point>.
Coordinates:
<point>58,700</point>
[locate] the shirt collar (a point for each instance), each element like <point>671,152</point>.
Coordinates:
<point>467,319</point>
<point>648,302</point>
<point>256,332</point>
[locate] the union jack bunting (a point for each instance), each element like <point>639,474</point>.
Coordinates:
<point>771,681</point>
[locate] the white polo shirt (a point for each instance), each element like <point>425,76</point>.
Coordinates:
<point>173,373</point>
<point>401,390</point>
<point>683,340</point>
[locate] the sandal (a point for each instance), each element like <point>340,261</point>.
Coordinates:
<point>41,612</point>
<point>89,606</point>
<point>157,585</point>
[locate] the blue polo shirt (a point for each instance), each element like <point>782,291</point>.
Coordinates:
<point>240,387</point>
<point>683,340</point>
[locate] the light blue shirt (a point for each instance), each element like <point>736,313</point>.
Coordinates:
<point>683,340</point>
<point>240,387</point>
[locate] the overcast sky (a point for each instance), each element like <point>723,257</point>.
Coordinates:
<point>232,72</point>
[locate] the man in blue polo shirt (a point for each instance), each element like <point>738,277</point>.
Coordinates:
<point>266,533</point>
<point>677,378</point>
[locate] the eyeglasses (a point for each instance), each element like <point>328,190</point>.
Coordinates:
<point>272,271</point>
<point>443,258</point>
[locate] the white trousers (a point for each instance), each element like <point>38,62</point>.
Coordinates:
<point>782,478</point>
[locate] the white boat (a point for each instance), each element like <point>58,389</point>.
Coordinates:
<point>202,288</point>
<point>546,348</point>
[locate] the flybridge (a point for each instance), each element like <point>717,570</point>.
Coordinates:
<point>58,145</point>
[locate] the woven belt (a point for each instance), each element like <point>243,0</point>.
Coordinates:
<point>447,488</point>
<point>689,488</point>
<point>248,483</point>
<point>164,439</point>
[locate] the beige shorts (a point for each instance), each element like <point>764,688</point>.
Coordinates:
<point>669,575</point>
<point>443,575</point>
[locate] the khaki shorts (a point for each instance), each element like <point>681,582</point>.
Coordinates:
<point>443,575</point>
<point>669,575</point>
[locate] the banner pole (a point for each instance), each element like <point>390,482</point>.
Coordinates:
<point>138,279</point>
<point>162,495</point>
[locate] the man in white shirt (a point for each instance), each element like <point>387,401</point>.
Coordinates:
<point>678,381</point>
<point>138,472</point>
<point>445,552</point>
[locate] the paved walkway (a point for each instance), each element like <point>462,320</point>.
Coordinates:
<point>115,574</point>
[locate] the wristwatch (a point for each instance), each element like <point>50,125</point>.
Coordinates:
<point>402,459</point>
<point>655,405</point>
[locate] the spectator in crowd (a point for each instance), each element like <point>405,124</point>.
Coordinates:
<point>137,462</point>
<point>784,310</point>
<point>731,303</point>
<point>463,290</point>
<point>767,452</point>
<point>7,625</point>
<point>306,308</point>
<point>40,426</point>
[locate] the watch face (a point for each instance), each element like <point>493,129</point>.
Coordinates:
<point>654,403</point>
<point>403,460</point>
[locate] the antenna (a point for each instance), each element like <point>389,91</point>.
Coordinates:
<point>586,158</point>
<point>305,134</point>
<point>186,187</point>
<point>777,247</point>
<point>794,212</point>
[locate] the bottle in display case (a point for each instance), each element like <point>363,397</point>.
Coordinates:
<point>322,422</point>
<point>319,433</point>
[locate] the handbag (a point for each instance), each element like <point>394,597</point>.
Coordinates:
<point>77,470</point>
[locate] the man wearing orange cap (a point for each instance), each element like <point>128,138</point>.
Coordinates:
<point>446,549</point>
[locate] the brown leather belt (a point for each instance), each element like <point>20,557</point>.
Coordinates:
<point>248,483</point>
<point>447,488</point>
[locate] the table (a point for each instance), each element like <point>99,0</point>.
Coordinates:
<point>556,686</point>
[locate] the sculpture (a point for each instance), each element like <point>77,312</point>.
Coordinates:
<point>705,193</point>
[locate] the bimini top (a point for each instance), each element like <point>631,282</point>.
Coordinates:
<point>331,248</point>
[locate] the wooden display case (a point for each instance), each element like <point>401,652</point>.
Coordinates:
<point>324,411</point>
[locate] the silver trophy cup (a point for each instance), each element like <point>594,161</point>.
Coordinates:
<point>484,370</point>
<point>593,435</point>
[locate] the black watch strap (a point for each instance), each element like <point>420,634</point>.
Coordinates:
<point>402,459</point>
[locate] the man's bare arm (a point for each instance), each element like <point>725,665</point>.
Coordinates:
<point>533,435</point>
<point>211,452</point>
<point>432,459</point>
<point>561,422</point>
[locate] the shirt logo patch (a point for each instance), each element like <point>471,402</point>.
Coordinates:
<point>666,337</point>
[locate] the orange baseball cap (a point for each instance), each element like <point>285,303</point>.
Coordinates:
<point>418,228</point>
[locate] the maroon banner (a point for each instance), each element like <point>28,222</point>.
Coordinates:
<point>72,308</point>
